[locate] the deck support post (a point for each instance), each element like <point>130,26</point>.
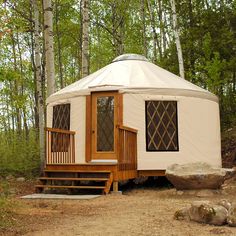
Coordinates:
<point>115,186</point>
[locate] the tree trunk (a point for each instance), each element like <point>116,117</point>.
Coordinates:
<point>59,45</point>
<point>49,52</point>
<point>15,90</point>
<point>154,33</point>
<point>177,39</point>
<point>143,17</point>
<point>22,88</point>
<point>37,60</point>
<point>85,38</point>
<point>35,109</point>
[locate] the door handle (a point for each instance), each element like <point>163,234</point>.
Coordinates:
<point>93,131</point>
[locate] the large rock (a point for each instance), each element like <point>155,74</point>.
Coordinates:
<point>231,219</point>
<point>225,203</point>
<point>204,212</point>
<point>182,214</point>
<point>195,176</point>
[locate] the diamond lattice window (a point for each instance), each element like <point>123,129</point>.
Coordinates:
<point>105,124</point>
<point>61,117</point>
<point>161,126</point>
<point>61,120</point>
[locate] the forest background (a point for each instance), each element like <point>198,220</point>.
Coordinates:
<point>89,35</point>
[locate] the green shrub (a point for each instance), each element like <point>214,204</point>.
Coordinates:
<point>19,156</point>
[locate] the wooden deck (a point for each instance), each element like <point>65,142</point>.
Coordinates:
<point>61,171</point>
<point>118,175</point>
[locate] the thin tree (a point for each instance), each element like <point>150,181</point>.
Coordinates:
<point>177,39</point>
<point>154,32</point>
<point>49,51</point>
<point>85,38</point>
<point>59,48</point>
<point>37,68</point>
<point>143,18</point>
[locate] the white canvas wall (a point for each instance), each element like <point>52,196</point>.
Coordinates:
<point>77,123</point>
<point>198,128</point>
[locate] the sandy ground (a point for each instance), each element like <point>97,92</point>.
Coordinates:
<point>137,212</point>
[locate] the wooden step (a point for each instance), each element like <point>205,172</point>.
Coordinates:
<point>105,176</point>
<point>79,171</point>
<point>75,187</point>
<point>73,179</point>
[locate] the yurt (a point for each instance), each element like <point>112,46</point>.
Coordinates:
<point>128,119</point>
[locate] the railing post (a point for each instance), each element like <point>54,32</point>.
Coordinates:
<point>127,159</point>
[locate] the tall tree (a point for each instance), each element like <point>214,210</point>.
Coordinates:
<point>85,38</point>
<point>143,18</point>
<point>49,51</point>
<point>37,67</point>
<point>154,32</point>
<point>58,37</point>
<point>177,39</point>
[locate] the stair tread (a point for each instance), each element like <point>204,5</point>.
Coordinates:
<point>62,178</point>
<point>64,186</point>
<point>80,171</point>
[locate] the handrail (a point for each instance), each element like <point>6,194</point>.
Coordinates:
<point>63,131</point>
<point>127,128</point>
<point>127,159</point>
<point>60,146</point>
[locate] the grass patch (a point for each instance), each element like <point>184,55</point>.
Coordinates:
<point>7,211</point>
<point>7,207</point>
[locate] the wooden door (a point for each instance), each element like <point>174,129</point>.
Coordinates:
<point>104,125</point>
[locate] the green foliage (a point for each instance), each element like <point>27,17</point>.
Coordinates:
<point>18,156</point>
<point>208,39</point>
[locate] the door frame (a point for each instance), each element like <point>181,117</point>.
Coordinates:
<point>118,112</point>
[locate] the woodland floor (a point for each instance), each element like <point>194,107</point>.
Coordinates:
<point>138,211</point>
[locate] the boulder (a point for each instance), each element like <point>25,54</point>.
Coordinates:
<point>204,212</point>
<point>225,203</point>
<point>231,219</point>
<point>195,176</point>
<point>182,214</point>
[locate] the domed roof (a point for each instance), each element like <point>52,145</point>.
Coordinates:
<point>133,73</point>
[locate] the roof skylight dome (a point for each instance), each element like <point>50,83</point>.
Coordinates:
<point>130,56</point>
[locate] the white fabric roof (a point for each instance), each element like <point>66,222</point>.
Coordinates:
<point>132,75</point>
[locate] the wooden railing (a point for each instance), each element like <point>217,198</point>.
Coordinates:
<point>127,158</point>
<point>60,146</point>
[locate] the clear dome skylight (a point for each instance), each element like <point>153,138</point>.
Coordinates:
<point>130,56</point>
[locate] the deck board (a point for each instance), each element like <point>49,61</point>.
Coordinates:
<point>69,186</point>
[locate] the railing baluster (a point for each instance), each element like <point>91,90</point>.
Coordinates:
<point>60,146</point>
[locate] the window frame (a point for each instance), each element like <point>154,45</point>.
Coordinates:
<point>62,104</point>
<point>56,137</point>
<point>146,128</point>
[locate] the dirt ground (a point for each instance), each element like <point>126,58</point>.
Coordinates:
<point>143,211</point>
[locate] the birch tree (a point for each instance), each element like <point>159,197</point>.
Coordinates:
<point>177,39</point>
<point>154,33</point>
<point>49,51</point>
<point>59,48</point>
<point>37,68</point>
<point>85,38</point>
